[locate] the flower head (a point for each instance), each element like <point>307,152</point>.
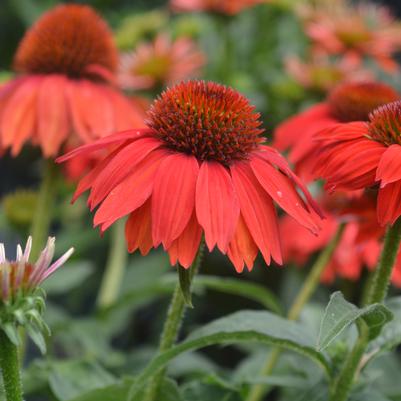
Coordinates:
<point>359,155</point>
<point>160,63</point>
<point>199,168</point>
<point>354,32</point>
<point>21,300</point>
<point>229,7</point>
<point>63,93</point>
<point>349,101</point>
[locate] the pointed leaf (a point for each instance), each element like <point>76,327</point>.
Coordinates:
<point>340,314</point>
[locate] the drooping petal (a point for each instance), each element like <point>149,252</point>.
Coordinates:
<point>258,211</point>
<point>173,198</point>
<point>217,206</point>
<point>130,193</point>
<point>103,143</point>
<point>119,167</point>
<point>388,203</point>
<point>242,247</point>
<point>389,168</point>
<point>19,116</point>
<point>53,122</point>
<point>138,229</point>
<point>183,250</point>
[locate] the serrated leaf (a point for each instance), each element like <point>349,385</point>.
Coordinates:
<point>340,314</point>
<point>245,326</point>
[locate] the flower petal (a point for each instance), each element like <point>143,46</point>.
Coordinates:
<point>242,247</point>
<point>53,124</point>
<point>130,193</point>
<point>258,211</point>
<point>388,203</point>
<point>119,167</point>
<point>19,116</point>
<point>389,169</point>
<point>173,198</point>
<point>282,190</point>
<point>138,229</point>
<point>184,249</point>
<point>217,206</point>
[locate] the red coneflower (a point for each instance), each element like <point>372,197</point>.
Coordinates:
<point>360,244</point>
<point>350,101</point>
<point>199,168</point>
<point>359,155</point>
<point>63,92</point>
<point>230,7</point>
<point>162,62</point>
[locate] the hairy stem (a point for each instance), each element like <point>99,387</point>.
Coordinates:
<point>171,327</point>
<point>10,368</point>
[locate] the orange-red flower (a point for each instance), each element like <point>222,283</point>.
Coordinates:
<point>160,63</point>
<point>200,168</point>
<point>63,92</point>
<point>354,32</point>
<point>359,246</point>
<point>359,155</point>
<point>229,7</point>
<point>350,101</point>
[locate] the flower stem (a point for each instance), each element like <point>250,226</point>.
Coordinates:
<point>171,327</point>
<point>376,294</point>
<point>10,369</point>
<point>115,267</point>
<point>382,275</point>
<point>312,281</point>
<point>42,219</point>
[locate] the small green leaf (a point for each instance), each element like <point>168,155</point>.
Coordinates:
<point>245,326</point>
<point>340,314</point>
<point>390,336</point>
<point>115,392</point>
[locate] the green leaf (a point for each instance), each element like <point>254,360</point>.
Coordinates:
<point>245,326</point>
<point>390,336</point>
<point>340,314</point>
<point>368,394</point>
<point>114,392</point>
<point>69,277</point>
<point>200,391</point>
<point>69,379</point>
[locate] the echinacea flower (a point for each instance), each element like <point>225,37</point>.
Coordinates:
<point>63,92</point>
<point>321,74</point>
<point>21,300</point>
<point>161,63</point>
<point>229,7</point>
<point>200,168</point>
<point>360,244</point>
<point>359,155</point>
<point>350,101</point>
<point>354,32</point>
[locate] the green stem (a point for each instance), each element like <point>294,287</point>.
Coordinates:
<point>382,275</point>
<point>343,384</point>
<point>312,281</point>
<point>42,219</point>
<point>115,267</point>
<point>376,294</point>
<point>9,363</point>
<point>171,327</point>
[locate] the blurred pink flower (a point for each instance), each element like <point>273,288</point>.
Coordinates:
<point>322,74</point>
<point>354,32</point>
<point>163,62</point>
<point>230,7</point>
